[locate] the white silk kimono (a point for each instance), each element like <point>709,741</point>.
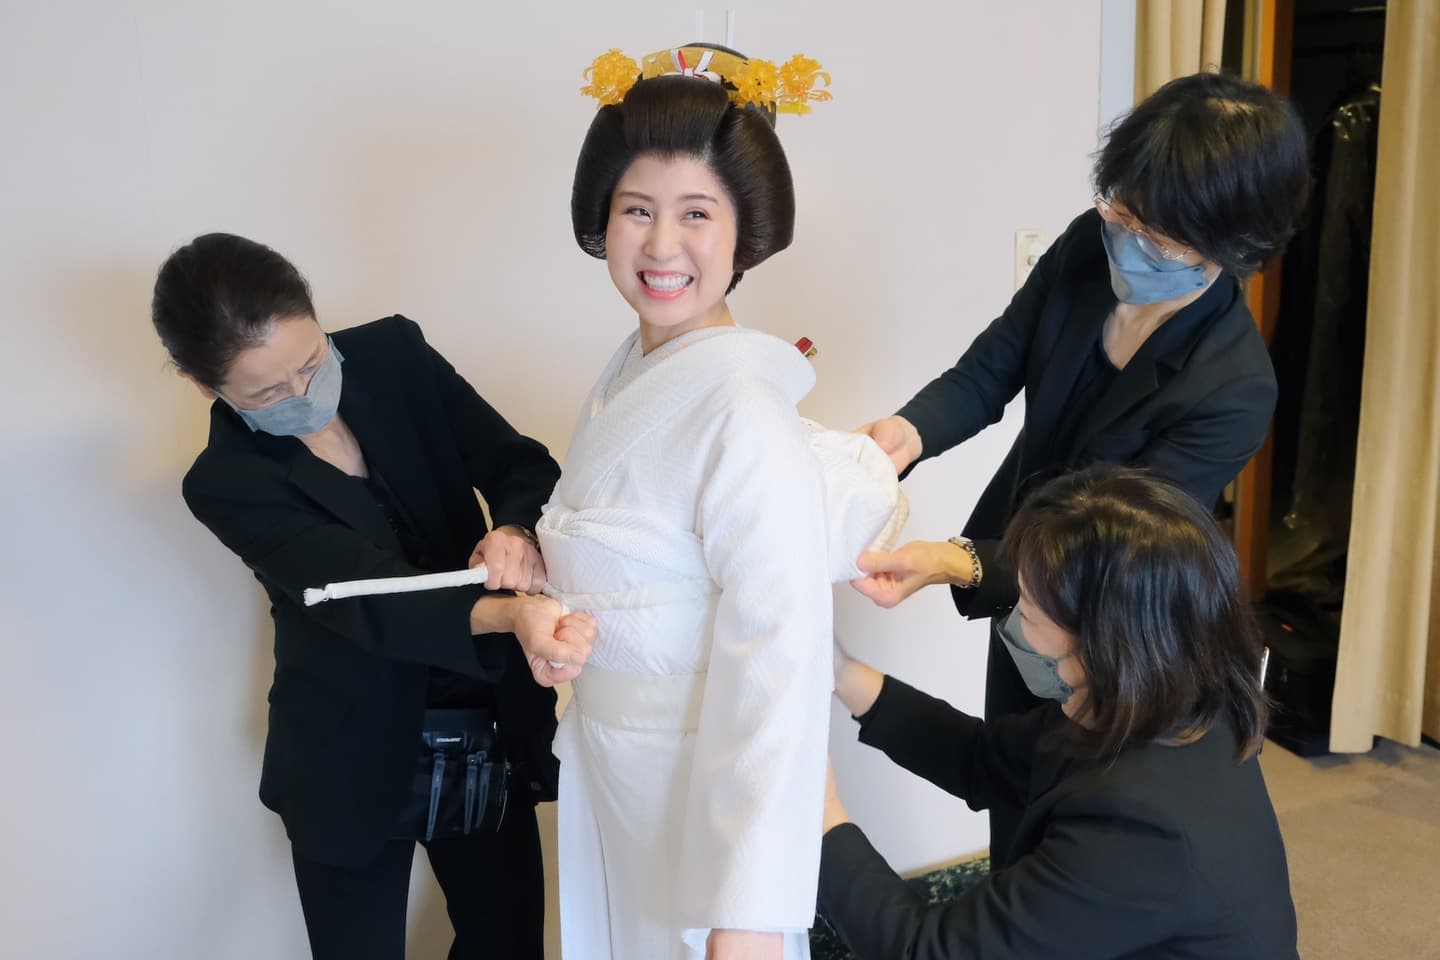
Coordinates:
<point>702,522</point>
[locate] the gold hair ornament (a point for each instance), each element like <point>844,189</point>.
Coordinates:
<point>789,88</point>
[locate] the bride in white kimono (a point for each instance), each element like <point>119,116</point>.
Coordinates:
<point>701,522</point>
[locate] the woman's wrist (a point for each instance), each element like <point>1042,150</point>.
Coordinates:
<point>834,814</point>
<point>914,443</point>
<point>524,532</point>
<point>858,686</point>
<point>962,563</point>
<point>494,613</point>
<point>723,944</point>
<point>834,817</point>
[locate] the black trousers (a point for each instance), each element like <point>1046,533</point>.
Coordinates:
<point>494,893</point>
<point>1005,694</point>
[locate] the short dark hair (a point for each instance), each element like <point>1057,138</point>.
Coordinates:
<point>685,116</point>
<point>220,294</point>
<point>1143,577</point>
<point>1218,163</point>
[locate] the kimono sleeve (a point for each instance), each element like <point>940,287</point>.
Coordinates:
<point>750,849</point>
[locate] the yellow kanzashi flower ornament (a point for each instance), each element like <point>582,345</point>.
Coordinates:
<point>611,76</point>
<point>798,77</point>
<point>788,88</point>
<point>757,83</point>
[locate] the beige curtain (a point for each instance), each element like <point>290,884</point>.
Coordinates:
<point>1174,38</point>
<point>1388,681</point>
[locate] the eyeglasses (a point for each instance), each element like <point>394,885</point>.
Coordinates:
<point>1148,244</point>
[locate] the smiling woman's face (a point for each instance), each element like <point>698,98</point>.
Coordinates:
<point>670,245</point>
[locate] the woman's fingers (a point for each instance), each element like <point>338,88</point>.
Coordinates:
<point>495,562</point>
<point>880,589</point>
<point>577,631</point>
<point>510,572</point>
<point>879,561</point>
<point>556,645</point>
<point>530,568</point>
<point>880,582</point>
<point>539,576</point>
<point>548,647</point>
<point>548,675</point>
<point>525,577</point>
<point>897,437</point>
<point>510,558</point>
<point>564,674</point>
<point>568,642</point>
<point>891,577</point>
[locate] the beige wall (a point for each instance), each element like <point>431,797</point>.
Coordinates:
<point>417,158</point>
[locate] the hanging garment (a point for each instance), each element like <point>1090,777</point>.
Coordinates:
<point>1330,289</point>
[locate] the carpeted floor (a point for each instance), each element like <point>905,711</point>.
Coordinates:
<point>1363,836</point>
<point>1362,833</point>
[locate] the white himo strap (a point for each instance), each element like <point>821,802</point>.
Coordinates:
<point>425,581</point>
<point>368,588</point>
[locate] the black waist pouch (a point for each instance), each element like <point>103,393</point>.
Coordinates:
<point>461,778</point>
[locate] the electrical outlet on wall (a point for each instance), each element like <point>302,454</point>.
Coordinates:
<point>1029,244</point>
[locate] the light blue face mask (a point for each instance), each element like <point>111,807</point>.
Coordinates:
<point>296,416</point>
<point>1138,278</point>
<point>1040,673</point>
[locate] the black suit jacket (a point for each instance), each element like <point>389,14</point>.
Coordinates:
<point>348,698</point>
<point>1166,853</point>
<point>1194,404</point>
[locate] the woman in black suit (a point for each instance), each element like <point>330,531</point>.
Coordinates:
<point>1131,340</point>
<point>1146,830</point>
<point>353,456</point>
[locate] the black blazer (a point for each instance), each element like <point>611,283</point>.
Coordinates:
<point>1166,853</point>
<point>349,693</point>
<point>1194,404</point>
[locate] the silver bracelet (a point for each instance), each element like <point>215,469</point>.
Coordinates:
<point>977,572</point>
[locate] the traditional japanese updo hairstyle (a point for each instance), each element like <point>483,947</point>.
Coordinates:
<point>690,116</point>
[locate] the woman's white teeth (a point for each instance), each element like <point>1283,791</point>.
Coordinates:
<point>666,283</point>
